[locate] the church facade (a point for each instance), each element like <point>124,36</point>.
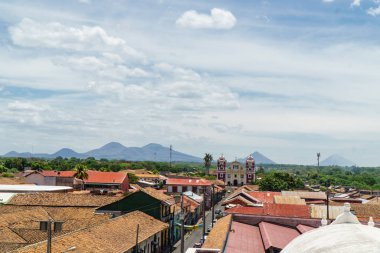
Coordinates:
<point>235,173</point>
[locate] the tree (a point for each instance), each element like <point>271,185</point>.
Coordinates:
<point>278,181</point>
<point>207,159</point>
<point>133,179</point>
<point>81,173</point>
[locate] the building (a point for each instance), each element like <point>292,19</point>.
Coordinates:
<point>106,181</point>
<point>50,177</point>
<point>198,186</point>
<point>96,181</point>
<point>21,213</point>
<point>147,200</point>
<point>112,236</point>
<point>235,173</point>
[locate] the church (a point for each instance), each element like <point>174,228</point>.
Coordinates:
<point>236,174</point>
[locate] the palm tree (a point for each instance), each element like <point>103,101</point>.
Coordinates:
<point>81,173</point>
<point>208,160</point>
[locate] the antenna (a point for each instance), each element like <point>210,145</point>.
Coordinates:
<point>318,156</point>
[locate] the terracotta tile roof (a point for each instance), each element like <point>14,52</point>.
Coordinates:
<point>8,236</point>
<point>374,201</point>
<point>26,218</point>
<point>218,235</point>
<point>244,238</point>
<point>105,237</point>
<point>105,177</point>
<point>12,180</point>
<point>294,200</point>
<point>188,182</point>
<point>157,194</point>
<point>61,199</point>
<point>366,210</point>
<point>264,196</point>
<point>284,210</point>
<point>305,194</point>
<point>303,228</point>
<point>276,236</point>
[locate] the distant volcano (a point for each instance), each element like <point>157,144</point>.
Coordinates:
<point>337,160</point>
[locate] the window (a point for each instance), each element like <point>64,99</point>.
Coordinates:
<point>249,175</point>
<point>235,167</point>
<point>242,176</point>
<point>235,175</point>
<point>229,175</point>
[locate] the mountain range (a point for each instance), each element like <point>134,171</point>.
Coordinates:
<point>115,150</point>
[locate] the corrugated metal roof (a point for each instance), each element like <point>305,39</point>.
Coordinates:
<point>276,236</point>
<point>305,194</point>
<point>303,228</point>
<point>294,200</point>
<point>244,238</point>
<point>264,197</point>
<point>320,211</point>
<point>284,210</point>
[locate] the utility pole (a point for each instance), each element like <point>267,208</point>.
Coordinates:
<point>318,156</point>
<point>182,226</point>
<point>204,215</point>
<point>212,204</point>
<point>46,226</point>
<point>137,238</point>
<point>328,211</point>
<point>49,236</point>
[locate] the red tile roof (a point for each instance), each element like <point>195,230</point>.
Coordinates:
<point>284,210</point>
<point>105,177</point>
<point>264,197</point>
<point>188,182</point>
<point>244,238</point>
<point>276,236</point>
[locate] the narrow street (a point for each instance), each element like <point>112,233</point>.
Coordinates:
<point>195,236</point>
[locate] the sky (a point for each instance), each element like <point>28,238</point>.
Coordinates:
<point>285,78</point>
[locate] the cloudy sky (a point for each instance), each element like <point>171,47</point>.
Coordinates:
<point>286,78</point>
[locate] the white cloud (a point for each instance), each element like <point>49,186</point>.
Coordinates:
<point>374,11</point>
<point>355,3</point>
<point>218,19</point>
<point>328,1</point>
<point>30,33</point>
<point>25,106</point>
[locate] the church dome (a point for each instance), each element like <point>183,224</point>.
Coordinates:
<point>344,235</point>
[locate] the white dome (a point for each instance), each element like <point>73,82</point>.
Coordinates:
<point>338,238</point>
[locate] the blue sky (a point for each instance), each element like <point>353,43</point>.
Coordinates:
<point>286,78</point>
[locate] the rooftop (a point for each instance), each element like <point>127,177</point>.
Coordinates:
<point>104,237</point>
<point>61,199</point>
<point>284,210</point>
<point>99,177</point>
<point>218,234</point>
<point>188,182</point>
<point>305,194</point>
